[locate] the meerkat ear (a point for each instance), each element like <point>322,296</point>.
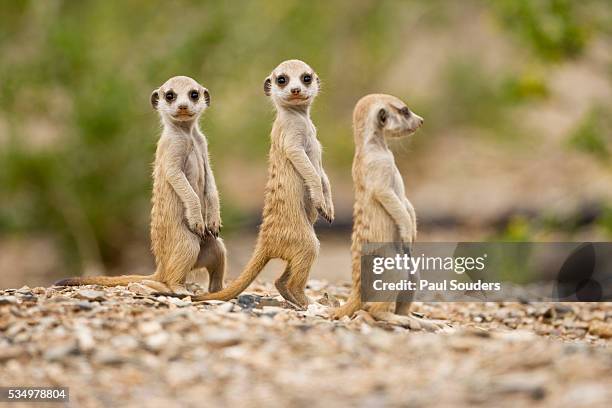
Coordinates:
<point>382,117</point>
<point>206,96</point>
<point>155,98</point>
<point>267,86</point>
<point>318,82</point>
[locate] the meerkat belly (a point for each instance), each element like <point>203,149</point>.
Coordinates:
<point>380,226</point>
<point>196,173</point>
<point>286,196</point>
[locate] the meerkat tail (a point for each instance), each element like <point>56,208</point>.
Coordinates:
<point>255,265</point>
<point>103,280</point>
<point>353,303</point>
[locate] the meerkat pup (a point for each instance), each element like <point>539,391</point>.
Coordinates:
<point>297,187</point>
<point>185,217</point>
<point>381,213</point>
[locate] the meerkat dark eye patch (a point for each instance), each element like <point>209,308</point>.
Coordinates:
<point>207,97</point>
<point>282,80</point>
<point>170,96</point>
<point>382,117</point>
<point>194,95</point>
<point>405,111</point>
<point>307,79</point>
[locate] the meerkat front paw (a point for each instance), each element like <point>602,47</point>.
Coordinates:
<point>324,212</point>
<point>406,236</point>
<point>195,221</point>
<point>330,208</point>
<point>319,202</point>
<point>213,225</point>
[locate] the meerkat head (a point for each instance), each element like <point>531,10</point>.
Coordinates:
<point>292,83</point>
<point>180,99</point>
<point>388,114</point>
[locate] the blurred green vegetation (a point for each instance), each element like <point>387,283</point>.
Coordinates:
<point>591,136</point>
<point>77,135</point>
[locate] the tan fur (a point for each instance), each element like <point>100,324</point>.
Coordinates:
<point>185,218</point>
<point>381,213</point>
<point>297,188</point>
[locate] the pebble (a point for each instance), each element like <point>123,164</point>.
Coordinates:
<point>225,307</point>
<point>157,341</point>
<point>89,294</point>
<point>59,352</point>
<point>8,300</point>
<point>247,301</point>
<point>222,338</point>
<point>178,302</point>
<point>140,289</point>
<point>85,339</point>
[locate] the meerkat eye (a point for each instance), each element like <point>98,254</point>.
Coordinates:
<point>194,95</point>
<point>281,80</point>
<point>170,96</point>
<point>307,78</point>
<point>405,111</point>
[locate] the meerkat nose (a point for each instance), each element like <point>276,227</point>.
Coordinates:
<point>182,107</point>
<point>295,91</point>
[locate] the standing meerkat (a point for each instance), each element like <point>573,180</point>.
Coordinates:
<point>381,213</point>
<point>297,187</point>
<point>185,217</point>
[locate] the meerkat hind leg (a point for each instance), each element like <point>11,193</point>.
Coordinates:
<point>212,256</point>
<point>155,285</point>
<point>403,309</point>
<point>348,309</point>
<point>281,286</point>
<point>180,261</point>
<point>299,268</point>
<point>380,312</point>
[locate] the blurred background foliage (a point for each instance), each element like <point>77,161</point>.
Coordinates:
<point>77,135</point>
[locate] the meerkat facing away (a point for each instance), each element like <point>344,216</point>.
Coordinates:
<point>381,213</point>
<point>297,187</point>
<point>185,217</point>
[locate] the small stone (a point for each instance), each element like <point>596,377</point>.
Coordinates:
<point>29,298</point>
<point>222,338</point>
<point>512,384</point>
<point>140,289</point>
<point>226,307</point>
<point>24,290</point>
<point>150,327</point>
<point>269,301</point>
<point>108,356</point>
<point>8,353</point>
<point>248,301</point>
<point>84,305</point>
<point>89,294</point>
<point>124,342</point>
<point>85,339</point>
<point>178,302</point>
<point>601,329</point>
<point>157,341</point>
<point>328,300</point>
<point>272,310</point>
<point>8,300</point>
<point>60,351</point>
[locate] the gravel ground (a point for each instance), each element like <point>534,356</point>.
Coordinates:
<point>124,347</point>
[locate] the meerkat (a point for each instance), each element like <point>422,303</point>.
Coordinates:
<point>185,215</point>
<point>381,212</point>
<point>296,190</point>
